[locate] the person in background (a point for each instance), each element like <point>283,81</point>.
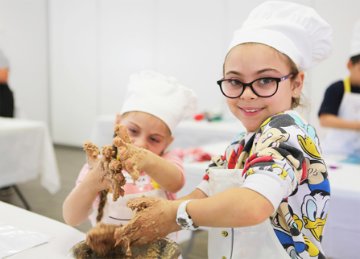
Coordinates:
<point>153,107</point>
<point>268,195</point>
<point>6,95</point>
<point>340,108</point>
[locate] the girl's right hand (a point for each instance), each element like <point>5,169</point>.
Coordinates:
<point>95,179</point>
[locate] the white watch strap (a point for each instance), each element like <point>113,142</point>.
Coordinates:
<point>183,219</point>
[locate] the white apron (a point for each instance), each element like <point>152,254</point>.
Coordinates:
<point>340,141</point>
<point>116,212</point>
<point>254,242</point>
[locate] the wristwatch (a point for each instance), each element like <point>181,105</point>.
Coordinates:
<point>183,219</point>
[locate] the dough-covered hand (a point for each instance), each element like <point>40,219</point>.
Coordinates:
<point>131,157</point>
<point>154,219</point>
<point>92,153</point>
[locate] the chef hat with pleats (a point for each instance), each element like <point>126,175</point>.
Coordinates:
<point>162,96</point>
<point>293,29</point>
<point>355,41</point>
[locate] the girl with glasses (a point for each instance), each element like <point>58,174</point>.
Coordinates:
<point>267,196</point>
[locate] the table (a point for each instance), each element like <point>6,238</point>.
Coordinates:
<point>342,231</point>
<point>189,133</point>
<point>27,152</point>
<point>62,236</point>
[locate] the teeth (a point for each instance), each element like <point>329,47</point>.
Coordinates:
<point>252,110</point>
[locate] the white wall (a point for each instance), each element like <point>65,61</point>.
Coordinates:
<point>96,44</point>
<point>23,38</point>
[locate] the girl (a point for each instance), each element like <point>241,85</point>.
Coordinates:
<point>268,195</point>
<point>154,106</point>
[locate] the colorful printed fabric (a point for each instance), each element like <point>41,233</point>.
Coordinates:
<point>282,161</point>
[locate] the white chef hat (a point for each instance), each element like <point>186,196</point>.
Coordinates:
<point>293,29</point>
<point>160,95</point>
<point>4,62</point>
<point>355,42</point>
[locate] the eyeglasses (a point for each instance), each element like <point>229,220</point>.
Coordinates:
<point>262,87</point>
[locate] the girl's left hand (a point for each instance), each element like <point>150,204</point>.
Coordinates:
<point>132,158</point>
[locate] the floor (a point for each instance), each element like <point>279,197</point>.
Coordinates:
<point>70,160</point>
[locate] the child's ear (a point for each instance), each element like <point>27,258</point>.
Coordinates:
<point>349,64</point>
<point>298,84</point>
<point>170,140</point>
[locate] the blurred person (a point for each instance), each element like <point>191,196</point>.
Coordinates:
<point>6,95</point>
<point>340,109</point>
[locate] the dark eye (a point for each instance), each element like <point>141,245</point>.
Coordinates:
<point>234,82</point>
<point>132,131</point>
<point>266,81</point>
<point>154,139</point>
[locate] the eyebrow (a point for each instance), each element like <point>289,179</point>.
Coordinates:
<point>257,72</point>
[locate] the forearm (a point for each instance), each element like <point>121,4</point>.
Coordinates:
<point>196,194</point>
<point>236,207</point>
<point>165,173</point>
<point>78,204</point>
<point>330,120</point>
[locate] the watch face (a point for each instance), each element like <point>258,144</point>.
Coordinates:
<point>182,222</point>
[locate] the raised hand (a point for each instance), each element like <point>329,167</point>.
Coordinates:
<point>131,157</point>
<point>92,153</point>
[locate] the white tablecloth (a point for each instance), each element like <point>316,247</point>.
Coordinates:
<point>342,231</point>
<point>187,134</point>
<point>61,236</point>
<point>27,152</point>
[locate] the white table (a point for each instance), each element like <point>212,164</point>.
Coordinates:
<point>27,152</point>
<point>188,133</point>
<point>342,231</point>
<point>62,236</point>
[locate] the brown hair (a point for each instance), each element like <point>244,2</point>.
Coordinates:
<point>355,59</point>
<point>102,202</point>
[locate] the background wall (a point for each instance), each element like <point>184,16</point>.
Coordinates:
<point>94,45</point>
<point>23,39</point>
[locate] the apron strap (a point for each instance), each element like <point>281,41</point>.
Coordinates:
<point>347,85</point>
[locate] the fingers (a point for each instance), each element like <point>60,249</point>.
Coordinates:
<point>142,203</point>
<point>121,131</point>
<point>92,153</point>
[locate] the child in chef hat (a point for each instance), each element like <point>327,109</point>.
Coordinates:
<point>153,107</point>
<point>268,195</point>
<point>339,111</point>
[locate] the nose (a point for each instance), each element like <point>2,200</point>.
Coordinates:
<point>248,93</point>
<point>140,142</point>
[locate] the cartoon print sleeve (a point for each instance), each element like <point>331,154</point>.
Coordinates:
<point>276,164</point>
